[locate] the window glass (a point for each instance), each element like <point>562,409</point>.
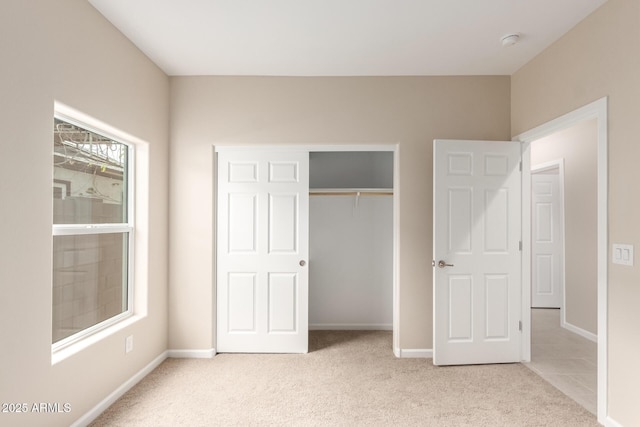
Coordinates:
<point>89,177</point>
<point>92,231</point>
<point>89,281</point>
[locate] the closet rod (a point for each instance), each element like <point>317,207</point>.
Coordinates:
<point>350,192</point>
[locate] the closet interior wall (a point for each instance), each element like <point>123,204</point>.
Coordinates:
<point>351,240</point>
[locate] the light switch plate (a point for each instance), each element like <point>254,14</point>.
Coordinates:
<point>622,254</point>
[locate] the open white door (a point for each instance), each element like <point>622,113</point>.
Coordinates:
<point>547,235</point>
<point>262,252</point>
<point>477,234</point>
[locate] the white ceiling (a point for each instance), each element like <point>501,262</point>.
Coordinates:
<point>342,37</point>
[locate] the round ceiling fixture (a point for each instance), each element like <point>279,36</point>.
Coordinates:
<point>510,39</point>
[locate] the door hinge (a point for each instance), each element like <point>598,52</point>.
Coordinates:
<point>520,245</point>
<point>520,166</point>
<point>520,325</point>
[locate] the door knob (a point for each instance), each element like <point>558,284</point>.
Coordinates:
<point>302,263</point>
<point>443,264</point>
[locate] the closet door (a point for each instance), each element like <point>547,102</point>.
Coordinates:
<point>262,252</point>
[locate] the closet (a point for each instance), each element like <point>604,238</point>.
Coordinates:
<point>304,241</point>
<point>351,240</point>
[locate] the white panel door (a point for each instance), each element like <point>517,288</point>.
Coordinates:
<point>546,241</point>
<point>262,252</point>
<point>477,228</point>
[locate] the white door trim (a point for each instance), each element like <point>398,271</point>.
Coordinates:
<point>595,110</point>
<point>558,164</point>
<point>307,147</point>
<point>395,148</point>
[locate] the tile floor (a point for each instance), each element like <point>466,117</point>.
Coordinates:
<point>565,359</point>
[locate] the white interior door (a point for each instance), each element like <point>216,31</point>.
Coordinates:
<point>262,252</point>
<point>547,240</point>
<point>477,235</point>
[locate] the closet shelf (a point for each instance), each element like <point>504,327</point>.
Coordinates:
<point>350,191</point>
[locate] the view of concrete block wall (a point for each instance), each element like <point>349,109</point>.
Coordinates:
<point>88,278</point>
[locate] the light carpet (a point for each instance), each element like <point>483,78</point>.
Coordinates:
<point>348,378</point>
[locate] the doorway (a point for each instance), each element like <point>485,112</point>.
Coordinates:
<point>350,240</point>
<point>566,360</point>
<point>564,324</point>
<point>596,111</point>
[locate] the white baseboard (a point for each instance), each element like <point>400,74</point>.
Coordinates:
<point>350,327</point>
<point>576,330</point>
<point>409,353</point>
<point>87,418</point>
<point>192,354</point>
<point>397,352</point>
<point>610,422</point>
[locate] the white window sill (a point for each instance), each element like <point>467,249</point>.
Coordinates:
<point>64,353</point>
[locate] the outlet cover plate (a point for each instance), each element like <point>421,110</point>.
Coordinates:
<point>128,344</point>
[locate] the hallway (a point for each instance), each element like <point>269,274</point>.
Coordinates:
<point>563,358</point>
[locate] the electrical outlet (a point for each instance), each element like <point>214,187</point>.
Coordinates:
<point>128,344</point>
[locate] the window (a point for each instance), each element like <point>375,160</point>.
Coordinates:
<point>92,230</point>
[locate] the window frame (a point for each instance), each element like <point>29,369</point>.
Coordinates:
<point>106,228</point>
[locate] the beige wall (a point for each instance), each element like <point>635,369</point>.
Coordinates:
<point>64,50</point>
<point>598,58</point>
<point>577,145</point>
<point>409,111</point>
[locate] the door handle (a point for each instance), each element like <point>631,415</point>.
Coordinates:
<point>302,263</point>
<point>443,264</point>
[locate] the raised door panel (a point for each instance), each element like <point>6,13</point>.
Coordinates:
<point>283,223</point>
<point>282,302</point>
<point>460,308</point>
<point>497,307</point>
<point>496,221</point>
<point>460,222</point>
<point>241,291</point>
<point>242,225</point>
